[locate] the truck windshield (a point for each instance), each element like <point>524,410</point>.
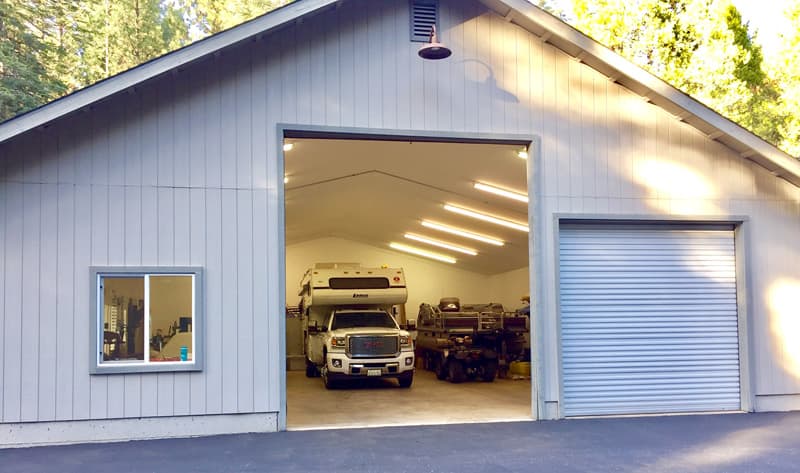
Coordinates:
<point>362,319</point>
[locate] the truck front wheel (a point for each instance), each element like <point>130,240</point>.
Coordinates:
<point>326,380</point>
<point>311,369</point>
<point>406,379</point>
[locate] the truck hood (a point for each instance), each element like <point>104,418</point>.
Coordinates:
<point>367,331</point>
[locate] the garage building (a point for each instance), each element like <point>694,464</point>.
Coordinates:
<point>157,219</point>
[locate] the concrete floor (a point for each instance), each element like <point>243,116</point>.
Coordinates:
<point>379,402</point>
<point>732,443</point>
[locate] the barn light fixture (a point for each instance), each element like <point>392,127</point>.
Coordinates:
<point>462,233</point>
<point>501,192</point>
<point>433,49</point>
<point>486,217</point>
<point>420,252</point>
<point>441,244</point>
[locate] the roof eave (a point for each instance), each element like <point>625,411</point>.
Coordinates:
<point>624,72</point>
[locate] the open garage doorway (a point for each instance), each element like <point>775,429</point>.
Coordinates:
<point>447,222</point>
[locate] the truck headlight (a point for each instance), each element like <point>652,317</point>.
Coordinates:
<point>405,341</point>
<point>338,342</point>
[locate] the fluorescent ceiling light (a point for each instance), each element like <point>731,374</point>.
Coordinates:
<point>288,146</point>
<point>523,153</point>
<point>486,217</point>
<point>463,233</point>
<point>441,244</point>
<point>420,252</point>
<point>285,180</point>
<point>501,192</point>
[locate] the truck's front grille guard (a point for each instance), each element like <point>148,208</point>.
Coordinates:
<point>360,352</point>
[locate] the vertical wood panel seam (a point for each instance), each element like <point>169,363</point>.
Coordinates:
<point>38,342</point>
<point>253,290</point>
<point>58,294</point>
<point>5,301</point>
<point>21,300</point>
<point>74,308</point>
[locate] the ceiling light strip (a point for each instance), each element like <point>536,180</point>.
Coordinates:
<point>441,244</point>
<point>420,252</point>
<point>486,217</point>
<point>463,233</point>
<point>501,192</point>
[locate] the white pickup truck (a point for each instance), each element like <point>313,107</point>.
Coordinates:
<point>350,330</point>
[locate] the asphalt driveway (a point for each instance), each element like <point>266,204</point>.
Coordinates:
<point>703,443</point>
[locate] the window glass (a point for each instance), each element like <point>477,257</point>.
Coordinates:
<point>171,318</point>
<point>362,319</point>
<point>123,318</point>
<point>146,319</point>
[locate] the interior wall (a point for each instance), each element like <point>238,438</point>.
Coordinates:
<point>428,281</point>
<point>508,288</point>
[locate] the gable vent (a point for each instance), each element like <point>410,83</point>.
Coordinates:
<point>424,15</point>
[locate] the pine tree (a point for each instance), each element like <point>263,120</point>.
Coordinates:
<point>25,81</point>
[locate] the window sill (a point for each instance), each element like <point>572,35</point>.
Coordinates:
<point>152,367</point>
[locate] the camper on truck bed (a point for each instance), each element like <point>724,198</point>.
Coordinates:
<point>350,330</point>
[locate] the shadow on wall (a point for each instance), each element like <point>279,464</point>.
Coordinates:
<point>482,76</point>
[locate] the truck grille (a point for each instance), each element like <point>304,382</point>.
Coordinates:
<point>367,346</point>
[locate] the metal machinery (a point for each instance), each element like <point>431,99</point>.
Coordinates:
<point>470,341</point>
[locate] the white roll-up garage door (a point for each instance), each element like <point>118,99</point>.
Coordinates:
<point>648,319</point>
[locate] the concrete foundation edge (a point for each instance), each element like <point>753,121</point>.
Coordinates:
<point>777,403</point>
<point>31,434</point>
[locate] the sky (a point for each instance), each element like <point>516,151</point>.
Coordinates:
<point>767,18</point>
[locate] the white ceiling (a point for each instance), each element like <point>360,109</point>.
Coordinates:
<point>375,191</point>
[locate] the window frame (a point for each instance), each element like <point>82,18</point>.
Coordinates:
<point>96,366</point>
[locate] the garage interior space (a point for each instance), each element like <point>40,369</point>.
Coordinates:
<point>415,205</point>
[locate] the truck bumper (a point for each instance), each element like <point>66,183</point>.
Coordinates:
<point>340,365</point>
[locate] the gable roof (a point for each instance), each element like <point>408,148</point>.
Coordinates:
<point>549,28</point>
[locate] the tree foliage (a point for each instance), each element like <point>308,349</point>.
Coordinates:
<point>702,47</point>
<point>52,47</point>
<point>786,71</point>
<point>25,52</point>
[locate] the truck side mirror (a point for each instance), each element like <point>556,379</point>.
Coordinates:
<point>312,327</point>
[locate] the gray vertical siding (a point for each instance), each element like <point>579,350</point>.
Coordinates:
<point>183,171</point>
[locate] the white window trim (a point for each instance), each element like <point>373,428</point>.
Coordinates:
<point>96,366</point>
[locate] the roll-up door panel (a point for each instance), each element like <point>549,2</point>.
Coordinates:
<point>648,319</point>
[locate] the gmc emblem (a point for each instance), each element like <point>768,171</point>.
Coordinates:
<point>356,294</point>
<point>374,344</point>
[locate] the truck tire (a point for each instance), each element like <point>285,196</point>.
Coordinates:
<point>326,380</point>
<point>489,371</point>
<point>406,379</point>
<point>441,368</point>
<point>456,370</point>
<point>311,369</point>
